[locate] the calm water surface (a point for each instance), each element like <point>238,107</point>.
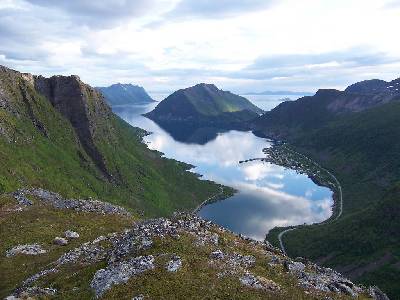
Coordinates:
<point>268,195</point>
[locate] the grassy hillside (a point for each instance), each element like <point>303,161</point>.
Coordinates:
<point>214,263</point>
<point>43,144</point>
<point>363,151</point>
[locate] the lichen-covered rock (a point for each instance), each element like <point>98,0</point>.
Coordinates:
<point>217,254</point>
<point>174,264</point>
<point>69,234</point>
<point>86,253</point>
<point>27,249</point>
<point>294,267</point>
<point>258,282</point>
<point>58,202</point>
<point>120,272</point>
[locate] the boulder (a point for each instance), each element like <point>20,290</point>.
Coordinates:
<point>60,241</point>
<point>174,264</point>
<point>119,273</point>
<point>69,234</point>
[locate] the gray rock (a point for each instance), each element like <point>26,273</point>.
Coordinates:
<point>60,241</point>
<point>35,277</point>
<point>294,267</point>
<point>119,273</point>
<point>250,280</point>
<point>22,200</point>
<point>69,234</point>
<point>86,253</point>
<point>174,264</point>
<point>59,202</point>
<point>217,254</point>
<point>259,283</point>
<point>27,249</point>
<point>147,242</point>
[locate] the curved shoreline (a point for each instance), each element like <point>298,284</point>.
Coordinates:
<point>205,202</point>
<point>337,207</point>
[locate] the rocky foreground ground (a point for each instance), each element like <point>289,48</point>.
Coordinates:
<point>184,257</point>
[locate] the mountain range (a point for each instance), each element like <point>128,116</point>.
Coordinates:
<point>279,93</point>
<point>125,94</point>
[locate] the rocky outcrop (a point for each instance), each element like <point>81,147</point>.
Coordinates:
<point>120,272</point>
<point>55,200</point>
<point>125,257</point>
<point>258,282</point>
<point>27,249</point>
<point>80,104</point>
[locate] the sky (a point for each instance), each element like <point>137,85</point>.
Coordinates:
<point>239,45</point>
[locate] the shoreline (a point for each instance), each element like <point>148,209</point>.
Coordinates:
<point>280,154</point>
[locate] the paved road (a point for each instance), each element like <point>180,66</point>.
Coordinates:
<point>340,200</point>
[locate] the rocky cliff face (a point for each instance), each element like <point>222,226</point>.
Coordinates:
<point>82,105</point>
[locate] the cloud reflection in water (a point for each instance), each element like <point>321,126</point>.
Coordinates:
<point>268,196</point>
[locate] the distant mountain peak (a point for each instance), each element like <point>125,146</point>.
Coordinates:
<point>327,93</point>
<point>125,94</point>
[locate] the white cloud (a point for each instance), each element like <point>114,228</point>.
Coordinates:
<point>316,43</point>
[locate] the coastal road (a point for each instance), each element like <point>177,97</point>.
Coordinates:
<point>340,199</point>
<point>221,191</point>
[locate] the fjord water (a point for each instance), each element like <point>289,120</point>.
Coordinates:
<point>268,195</point>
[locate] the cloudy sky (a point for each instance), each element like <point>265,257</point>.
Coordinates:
<point>240,45</point>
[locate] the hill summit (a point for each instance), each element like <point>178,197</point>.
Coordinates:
<point>205,104</point>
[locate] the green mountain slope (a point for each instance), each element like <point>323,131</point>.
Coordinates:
<point>58,133</point>
<point>362,149</point>
<point>125,94</point>
<point>205,104</point>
